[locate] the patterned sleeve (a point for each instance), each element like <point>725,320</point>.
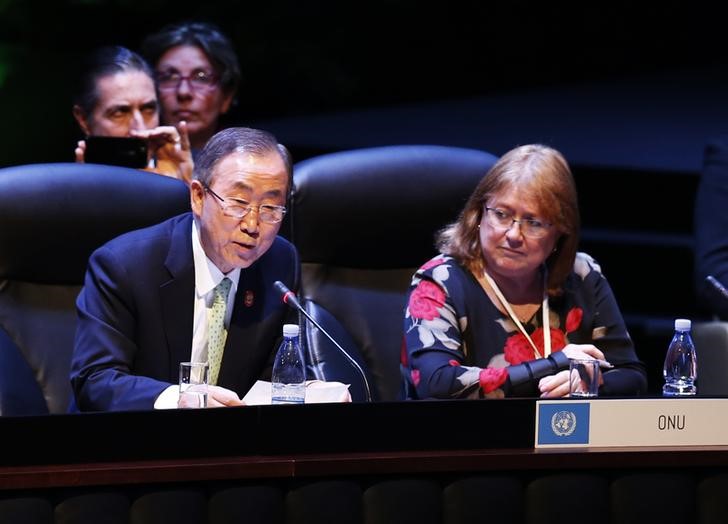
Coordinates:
<point>610,334</point>
<point>434,322</point>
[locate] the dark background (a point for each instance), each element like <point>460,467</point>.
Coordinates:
<point>630,92</point>
<point>312,57</point>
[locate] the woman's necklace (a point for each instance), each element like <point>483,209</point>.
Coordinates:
<point>544,312</point>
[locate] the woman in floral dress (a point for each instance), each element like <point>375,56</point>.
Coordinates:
<point>509,300</point>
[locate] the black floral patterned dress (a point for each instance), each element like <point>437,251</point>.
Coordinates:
<point>459,345</point>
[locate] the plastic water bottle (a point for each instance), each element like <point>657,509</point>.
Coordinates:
<point>288,384</point>
<point>681,365</point>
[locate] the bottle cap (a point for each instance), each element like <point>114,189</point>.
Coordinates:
<point>681,324</point>
<point>290,330</point>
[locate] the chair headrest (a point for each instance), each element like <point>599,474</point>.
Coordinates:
<point>380,207</point>
<point>52,216</point>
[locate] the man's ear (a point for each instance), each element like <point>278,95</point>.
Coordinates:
<point>80,117</point>
<point>197,196</point>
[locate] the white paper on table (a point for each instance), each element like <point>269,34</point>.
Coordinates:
<point>317,392</point>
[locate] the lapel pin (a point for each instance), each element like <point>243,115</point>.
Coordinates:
<point>249,297</point>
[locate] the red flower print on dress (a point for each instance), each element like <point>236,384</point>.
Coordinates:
<point>573,319</point>
<point>415,375</point>
<point>517,349</point>
<point>432,263</point>
<point>403,353</point>
<point>491,379</point>
<point>558,339</point>
<point>425,299</point>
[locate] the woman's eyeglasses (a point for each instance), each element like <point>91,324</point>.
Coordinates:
<point>199,80</point>
<point>501,219</point>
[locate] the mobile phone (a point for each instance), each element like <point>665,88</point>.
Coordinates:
<point>116,151</point>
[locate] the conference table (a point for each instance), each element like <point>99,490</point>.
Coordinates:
<point>309,441</point>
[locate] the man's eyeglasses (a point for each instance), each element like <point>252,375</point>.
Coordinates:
<point>238,209</point>
<point>530,227</point>
<point>199,80</point>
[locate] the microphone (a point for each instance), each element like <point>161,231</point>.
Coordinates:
<point>720,288</point>
<point>289,298</point>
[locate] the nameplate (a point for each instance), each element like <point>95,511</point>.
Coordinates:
<point>632,422</point>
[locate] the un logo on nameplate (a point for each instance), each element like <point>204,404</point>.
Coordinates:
<point>563,423</point>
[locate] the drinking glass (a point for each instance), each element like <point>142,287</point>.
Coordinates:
<point>193,384</point>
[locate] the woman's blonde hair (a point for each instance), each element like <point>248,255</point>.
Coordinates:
<point>540,170</point>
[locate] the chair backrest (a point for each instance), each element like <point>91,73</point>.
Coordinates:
<point>363,221</point>
<point>52,216</point>
<point>711,346</point>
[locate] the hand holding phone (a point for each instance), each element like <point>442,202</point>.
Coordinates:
<point>170,147</point>
<point>116,151</point>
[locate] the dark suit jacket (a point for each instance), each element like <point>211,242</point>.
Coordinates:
<point>135,315</point>
<point>711,226</point>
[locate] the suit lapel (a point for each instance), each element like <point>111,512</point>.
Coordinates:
<point>243,359</point>
<point>177,296</point>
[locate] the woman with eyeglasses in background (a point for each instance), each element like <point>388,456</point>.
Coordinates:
<point>197,74</point>
<point>509,300</point>
<point>116,97</point>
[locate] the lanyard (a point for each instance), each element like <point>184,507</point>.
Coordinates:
<point>517,322</point>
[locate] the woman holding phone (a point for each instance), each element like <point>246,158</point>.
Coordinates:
<point>117,98</point>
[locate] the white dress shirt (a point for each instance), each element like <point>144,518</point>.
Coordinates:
<point>207,277</point>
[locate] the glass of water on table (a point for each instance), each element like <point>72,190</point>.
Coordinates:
<point>193,384</point>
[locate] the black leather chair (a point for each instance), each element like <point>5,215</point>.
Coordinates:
<point>711,346</point>
<point>364,220</point>
<point>51,217</point>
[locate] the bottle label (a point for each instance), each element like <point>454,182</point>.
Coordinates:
<point>288,393</point>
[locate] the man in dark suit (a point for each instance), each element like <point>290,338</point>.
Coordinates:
<point>146,301</point>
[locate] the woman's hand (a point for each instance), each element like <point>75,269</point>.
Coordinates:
<point>171,148</point>
<point>582,351</point>
<point>80,151</point>
<point>557,386</point>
